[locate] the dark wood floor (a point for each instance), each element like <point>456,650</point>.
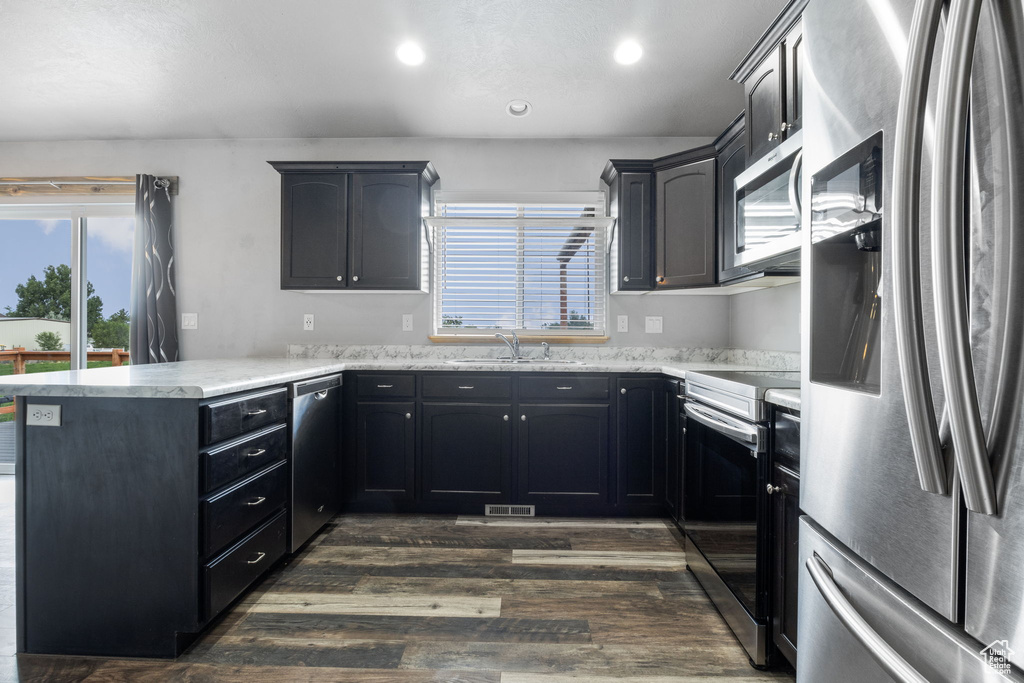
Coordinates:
<point>408,599</point>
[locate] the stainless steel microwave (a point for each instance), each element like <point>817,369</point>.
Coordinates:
<point>766,234</point>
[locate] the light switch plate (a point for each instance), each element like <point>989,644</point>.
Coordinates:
<point>307,322</point>
<point>189,321</point>
<point>42,415</point>
<point>652,324</point>
<point>407,322</point>
<point>623,324</point>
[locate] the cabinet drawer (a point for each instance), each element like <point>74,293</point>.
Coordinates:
<point>564,386</point>
<point>387,385</point>
<point>226,577</point>
<point>240,414</point>
<point>466,385</point>
<point>237,458</point>
<point>230,514</point>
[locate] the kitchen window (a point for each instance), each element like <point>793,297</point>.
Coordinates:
<point>534,264</point>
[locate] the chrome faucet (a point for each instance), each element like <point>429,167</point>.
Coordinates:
<point>513,345</point>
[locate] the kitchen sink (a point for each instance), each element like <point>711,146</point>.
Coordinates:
<point>513,361</point>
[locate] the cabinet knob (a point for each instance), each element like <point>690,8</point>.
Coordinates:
<point>625,278</point>
<point>660,278</point>
<point>622,390</point>
<point>408,416</point>
<point>772,136</point>
<point>339,278</point>
<point>506,418</point>
<point>783,127</point>
<point>523,418</point>
<point>355,278</point>
<point>773,489</point>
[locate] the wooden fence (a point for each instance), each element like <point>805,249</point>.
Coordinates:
<point>19,356</point>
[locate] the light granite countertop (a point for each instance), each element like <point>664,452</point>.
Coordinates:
<point>784,398</point>
<point>198,379</point>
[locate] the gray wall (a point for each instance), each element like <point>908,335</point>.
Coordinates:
<point>767,319</point>
<point>228,243</point>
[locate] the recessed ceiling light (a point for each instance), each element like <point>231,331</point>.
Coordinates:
<point>410,53</point>
<point>518,108</point>
<point>628,52</point>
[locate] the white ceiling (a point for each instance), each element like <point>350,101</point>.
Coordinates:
<point>170,69</point>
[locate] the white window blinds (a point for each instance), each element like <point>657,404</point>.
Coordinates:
<point>532,264</point>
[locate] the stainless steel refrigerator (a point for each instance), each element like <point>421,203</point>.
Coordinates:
<point>912,481</point>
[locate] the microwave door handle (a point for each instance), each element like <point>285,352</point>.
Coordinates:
<point>794,186</point>
<point>906,281</point>
<point>950,271</point>
<point>882,652</point>
<point>747,435</point>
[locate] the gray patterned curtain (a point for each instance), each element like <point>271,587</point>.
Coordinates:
<point>154,311</point>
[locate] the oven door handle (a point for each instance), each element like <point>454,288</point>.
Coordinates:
<point>748,435</point>
<point>794,187</point>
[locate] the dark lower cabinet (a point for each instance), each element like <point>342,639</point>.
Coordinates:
<point>641,442</point>
<point>563,454</point>
<point>673,464</point>
<point>681,431</point>
<point>385,451</point>
<point>785,505</point>
<point>467,450</point>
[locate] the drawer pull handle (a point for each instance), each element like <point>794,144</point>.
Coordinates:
<point>256,453</point>
<point>466,387</point>
<point>563,388</point>
<point>257,501</point>
<point>259,411</point>
<point>385,386</point>
<point>261,556</point>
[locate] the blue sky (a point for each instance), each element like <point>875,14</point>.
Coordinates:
<point>28,246</point>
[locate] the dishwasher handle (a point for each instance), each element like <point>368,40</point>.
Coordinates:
<point>317,385</point>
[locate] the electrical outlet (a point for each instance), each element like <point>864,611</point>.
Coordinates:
<point>623,325</point>
<point>307,322</point>
<point>189,321</point>
<point>40,415</point>
<point>407,322</point>
<point>652,324</point>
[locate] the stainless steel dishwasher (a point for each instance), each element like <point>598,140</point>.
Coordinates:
<point>316,438</point>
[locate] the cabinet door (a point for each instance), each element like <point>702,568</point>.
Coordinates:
<point>686,225</point>
<point>732,161</point>
<point>385,228</point>
<point>681,450</point>
<point>640,454</point>
<point>672,464</point>
<point>314,211</point>
<point>635,226</point>
<point>385,450</point>
<point>764,106</point>
<point>794,47</point>
<point>467,452</point>
<point>563,454</point>
<point>786,548</point>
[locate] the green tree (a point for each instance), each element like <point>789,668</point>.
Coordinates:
<point>49,341</point>
<point>448,320</point>
<point>111,333</point>
<point>51,297</point>
<point>575,320</point>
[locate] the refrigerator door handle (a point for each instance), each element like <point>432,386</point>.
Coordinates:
<point>906,186</point>
<point>881,651</point>
<point>950,271</point>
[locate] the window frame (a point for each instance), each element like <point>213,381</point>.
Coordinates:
<point>599,223</point>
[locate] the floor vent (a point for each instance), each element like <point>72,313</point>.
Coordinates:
<point>508,510</point>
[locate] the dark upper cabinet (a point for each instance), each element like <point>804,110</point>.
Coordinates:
<point>631,197</point>
<point>353,225</point>
<point>685,224</point>
<point>732,161</point>
<point>314,229</point>
<point>771,75</point>
<point>785,514</point>
<point>641,442</point>
<point>563,454</point>
<point>467,450</point>
<point>764,105</point>
<point>385,451</point>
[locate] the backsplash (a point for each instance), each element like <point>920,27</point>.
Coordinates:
<point>769,360</point>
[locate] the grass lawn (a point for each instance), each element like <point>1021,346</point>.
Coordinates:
<point>41,366</point>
